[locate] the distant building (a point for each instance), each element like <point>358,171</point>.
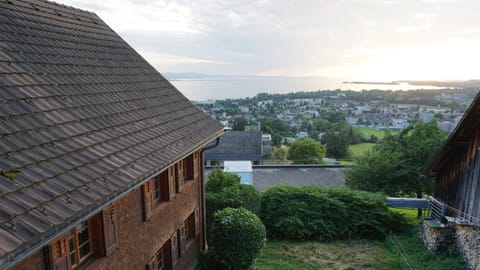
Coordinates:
<point>244,109</point>
<point>352,120</point>
<point>426,116</point>
<point>236,145</point>
<point>266,145</point>
<point>302,135</point>
<point>446,126</point>
<point>399,123</point>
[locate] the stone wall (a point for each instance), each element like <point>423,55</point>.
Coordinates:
<point>468,241</point>
<point>437,238</point>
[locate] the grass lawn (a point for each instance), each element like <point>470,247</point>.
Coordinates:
<point>368,131</point>
<point>362,254</point>
<point>360,149</point>
<point>398,251</point>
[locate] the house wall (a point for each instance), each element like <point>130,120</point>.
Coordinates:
<point>139,240</point>
<point>34,262</point>
<point>457,185</point>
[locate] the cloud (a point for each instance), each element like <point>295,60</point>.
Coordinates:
<point>349,37</point>
<point>134,15</point>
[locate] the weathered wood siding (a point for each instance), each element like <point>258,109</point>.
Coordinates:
<point>457,182</point>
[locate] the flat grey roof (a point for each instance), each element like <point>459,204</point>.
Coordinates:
<point>267,176</point>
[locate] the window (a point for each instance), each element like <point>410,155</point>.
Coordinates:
<point>160,188</point>
<point>161,260</point>
<point>88,240</point>
<point>80,243</point>
<point>191,166</point>
<point>179,176</point>
<point>181,240</point>
<point>190,227</point>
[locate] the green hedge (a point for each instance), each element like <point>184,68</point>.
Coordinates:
<point>302,213</point>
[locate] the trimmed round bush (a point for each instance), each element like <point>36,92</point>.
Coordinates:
<point>237,238</point>
<point>224,190</point>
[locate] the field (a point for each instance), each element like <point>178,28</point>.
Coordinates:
<point>397,251</point>
<point>359,149</point>
<point>369,131</point>
<point>362,254</point>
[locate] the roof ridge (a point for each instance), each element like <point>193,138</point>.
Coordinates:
<point>58,4</point>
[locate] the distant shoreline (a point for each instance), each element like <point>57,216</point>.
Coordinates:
<point>378,83</point>
<point>449,84</point>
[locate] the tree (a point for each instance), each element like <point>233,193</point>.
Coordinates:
<point>394,167</point>
<point>337,143</point>
<point>239,124</point>
<point>306,151</point>
<point>338,138</point>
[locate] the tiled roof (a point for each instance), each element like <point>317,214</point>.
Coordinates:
<point>83,116</point>
<point>237,145</point>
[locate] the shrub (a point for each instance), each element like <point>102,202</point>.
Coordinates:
<point>238,236</point>
<point>218,180</point>
<point>302,213</point>
<point>224,190</point>
<point>250,198</point>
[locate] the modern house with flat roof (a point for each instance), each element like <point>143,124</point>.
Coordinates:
<point>236,145</point>
<point>101,158</point>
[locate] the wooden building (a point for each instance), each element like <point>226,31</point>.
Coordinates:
<point>456,168</point>
<point>101,158</point>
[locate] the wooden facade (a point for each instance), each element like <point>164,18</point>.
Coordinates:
<point>457,168</point>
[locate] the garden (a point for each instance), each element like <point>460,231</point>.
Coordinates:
<point>311,228</point>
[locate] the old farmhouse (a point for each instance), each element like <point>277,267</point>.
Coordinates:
<point>100,156</point>
<point>457,190</point>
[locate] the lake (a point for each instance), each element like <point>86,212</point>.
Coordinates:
<point>241,87</point>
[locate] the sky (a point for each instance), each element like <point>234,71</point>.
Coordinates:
<point>369,40</point>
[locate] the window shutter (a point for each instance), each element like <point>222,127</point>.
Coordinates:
<point>59,253</point>
<point>171,181</point>
<point>197,221</point>
<point>174,251</point>
<point>147,200</point>
<point>180,175</point>
<point>164,190</point>
<point>196,165</point>
<point>183,238</point>
<point>151,264</point>
<point>110,229</point>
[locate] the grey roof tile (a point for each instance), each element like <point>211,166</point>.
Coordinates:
<point>82,115</point>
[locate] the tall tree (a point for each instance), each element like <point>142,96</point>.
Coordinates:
<point>394,167</point>
<point>306,151</point>
<point>239,124</point>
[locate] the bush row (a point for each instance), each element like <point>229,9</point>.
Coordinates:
<point>301,213</point>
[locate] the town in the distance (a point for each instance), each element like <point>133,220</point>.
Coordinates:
<point>339,116</point>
